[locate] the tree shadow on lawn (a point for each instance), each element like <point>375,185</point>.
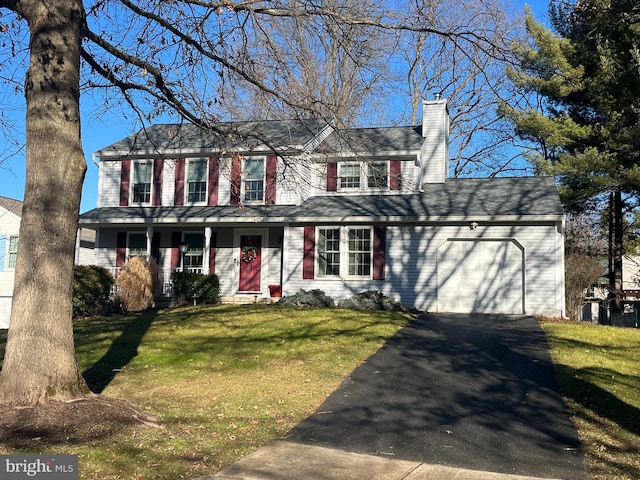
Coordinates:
<point>602,402</point>
<point>122,350</point>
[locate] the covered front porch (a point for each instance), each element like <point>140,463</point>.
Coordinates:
<point>246,259</point>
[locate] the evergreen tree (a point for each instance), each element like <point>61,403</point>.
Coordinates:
<point>582,87</point>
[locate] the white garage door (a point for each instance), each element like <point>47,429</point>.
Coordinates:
<point>484,276</point>
<point>5,311</point>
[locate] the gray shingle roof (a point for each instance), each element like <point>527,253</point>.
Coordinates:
<point>505,199</point>
<point>374,140</point>
<point>284,136</point>
<point>11,204</point>
<point>241,136</point>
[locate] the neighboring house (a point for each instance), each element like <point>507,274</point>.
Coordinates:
<point>10,215</point>
<point>280,206</point>
<point>596,304</point>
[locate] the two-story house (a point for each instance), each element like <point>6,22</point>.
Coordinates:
<point>299,204</point>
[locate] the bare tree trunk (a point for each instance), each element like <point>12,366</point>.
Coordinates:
<point>40,362</point>
<point>615,275</point>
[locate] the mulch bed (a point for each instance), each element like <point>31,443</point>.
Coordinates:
<point>78,421</point>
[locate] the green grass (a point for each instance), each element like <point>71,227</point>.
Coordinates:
<point>598,369</point>
<point>223,380</point>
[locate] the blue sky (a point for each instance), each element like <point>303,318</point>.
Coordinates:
<point>109,128</point>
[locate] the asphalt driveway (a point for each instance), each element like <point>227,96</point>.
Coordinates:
<point>468,391</point>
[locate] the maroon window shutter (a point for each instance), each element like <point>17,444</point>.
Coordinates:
<point>212,253</point>
<point>155,246</point>
<point>270,177</point>
<point>309,260</point>
<point>125,181</point>
<point>178,198</point>
<point>214,176</point>
<point>176,238</point>
<point>236,179</point>
<point>158,167</point>
<point>395,175</point>
<point>332,176</point>
<point>379,247</point>
<point>121,248</point>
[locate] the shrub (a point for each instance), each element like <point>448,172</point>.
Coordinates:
<point>311,298</point>
<point>91,289</point>
<point>371,300</point>
<point>136,282</point>
<point>206,288</point>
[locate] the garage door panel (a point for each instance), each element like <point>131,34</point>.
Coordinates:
<point>480,276</point>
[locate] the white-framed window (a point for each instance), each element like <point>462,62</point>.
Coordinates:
<point>197,181</point>
<point>378,175</point>
<point>141,181</point>
<point>349,175</point>
<point>359,252</point>
<point>344,252</point>
<point>194,258</point>
<point>328,252</point>
<point>253,179</point>
<point>12,253</point>
<point>137,245</point>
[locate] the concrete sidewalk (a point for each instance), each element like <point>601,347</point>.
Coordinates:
<point>294,461</point>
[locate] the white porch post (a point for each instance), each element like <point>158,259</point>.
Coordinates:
<point>76,259</point>
<point>284,273</point>
<point>207,250</point>
<point>149,237</point>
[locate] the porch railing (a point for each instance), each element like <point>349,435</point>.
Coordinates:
<point>164,284</point>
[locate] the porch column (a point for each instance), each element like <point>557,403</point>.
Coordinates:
<point>207,250</point>
<point>76,257</point>
<point>284,256</point>
<point>149,237</point>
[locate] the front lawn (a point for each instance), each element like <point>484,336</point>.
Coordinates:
<point>598,368</point>
<point>223,380</point>
<point>226,380</point>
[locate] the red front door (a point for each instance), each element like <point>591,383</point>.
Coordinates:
<point>250,263</point>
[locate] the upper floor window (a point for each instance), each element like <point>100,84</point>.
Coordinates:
<point>349,175</point>
<point>344,249</point>
<point>12,254</point>
<point>142,176</point>
<point>197,181</point>
<point>377,175</point>
<point>253,179</point>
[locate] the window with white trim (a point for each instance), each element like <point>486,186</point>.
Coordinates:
<point>344,252</point>
<point>349,175</point>
<point>197,181</point>
<point>141,181</point>
<point>359,252</point>
<point>377,175</point>
<point>328,252</point>
<point>253,179</point>
<point>194,258</point>
<point>137,245</point>
<point>12,254</point>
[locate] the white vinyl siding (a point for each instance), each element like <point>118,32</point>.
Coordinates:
<point>109,184</point>
<point>5,311</point>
